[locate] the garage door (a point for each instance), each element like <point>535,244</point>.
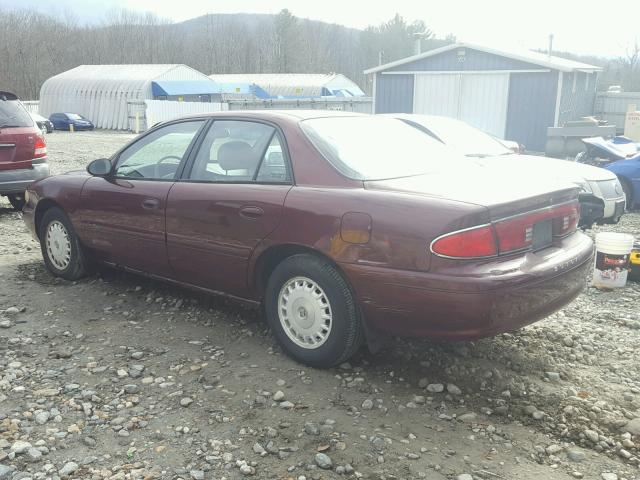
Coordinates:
<point>477,98</point>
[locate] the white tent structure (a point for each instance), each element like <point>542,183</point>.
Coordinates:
<point>101,92</point>
<point>287,85</point>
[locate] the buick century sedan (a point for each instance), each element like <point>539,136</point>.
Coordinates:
<point>333,221</point>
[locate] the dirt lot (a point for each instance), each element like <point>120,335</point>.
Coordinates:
<point>120,377</point>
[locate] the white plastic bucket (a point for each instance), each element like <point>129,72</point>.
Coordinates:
<point>612,259</point>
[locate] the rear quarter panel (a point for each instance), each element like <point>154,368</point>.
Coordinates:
<point>401,228</point>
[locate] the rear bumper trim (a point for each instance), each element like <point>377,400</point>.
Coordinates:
<point>16,181</point>
<point>459,308</point>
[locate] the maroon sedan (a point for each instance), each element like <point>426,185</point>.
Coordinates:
<point>336,222</point>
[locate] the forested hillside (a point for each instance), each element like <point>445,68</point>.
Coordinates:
<point>34,46</point>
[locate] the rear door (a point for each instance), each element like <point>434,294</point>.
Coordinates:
<point>18,134</point>
<point>122,218</point>
<point>230,199</point>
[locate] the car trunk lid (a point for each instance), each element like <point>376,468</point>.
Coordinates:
<point>20,140</point>
<point>502,195</point>
<point>17,147</point>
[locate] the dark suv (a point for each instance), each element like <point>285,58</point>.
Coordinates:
<point>23,151</point>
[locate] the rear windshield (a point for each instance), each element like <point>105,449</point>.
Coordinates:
<point>13,114</point>
<point>376,148</point>
<point>468,140</point>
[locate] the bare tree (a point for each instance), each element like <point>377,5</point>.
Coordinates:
<point>35,46</point>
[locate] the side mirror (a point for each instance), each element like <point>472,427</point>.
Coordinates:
<point>100,167</point>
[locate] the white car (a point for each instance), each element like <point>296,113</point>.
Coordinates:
<point>44,124</point>
<point>602,197</point>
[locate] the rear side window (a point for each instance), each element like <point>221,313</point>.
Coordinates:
<point>243,152</point>
<point>13,114</point>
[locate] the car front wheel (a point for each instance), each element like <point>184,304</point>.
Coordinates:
<point>312,311</point>
<point>61,249</point>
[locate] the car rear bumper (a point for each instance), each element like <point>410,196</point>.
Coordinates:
<point>507,296</point>
<point>17,181</point>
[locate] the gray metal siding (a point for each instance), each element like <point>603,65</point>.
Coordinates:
<point>394,93</point>
<point>473,60</point>
<point>532,98</point>
<point>578,103</point>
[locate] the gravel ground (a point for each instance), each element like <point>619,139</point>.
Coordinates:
<point>120,377</point>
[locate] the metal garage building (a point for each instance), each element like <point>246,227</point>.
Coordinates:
<point>101,92</point>
<point>294,85</point>
<point>510,95</point>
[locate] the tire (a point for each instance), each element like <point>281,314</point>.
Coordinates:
<point>628,193</point>
<point>17,201</point>
<point>54,230</point>
<point>305,282</point>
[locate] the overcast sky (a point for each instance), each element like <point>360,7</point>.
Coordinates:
<point>580,26</point>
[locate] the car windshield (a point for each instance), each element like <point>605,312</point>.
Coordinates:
<point>376,148</point>
<point>468,140</point>
<point>74,116</point>
<point>13,114</point>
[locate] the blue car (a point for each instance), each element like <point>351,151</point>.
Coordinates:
<point>63,121</point>
<point>621,156</point>
<point>628,171</point>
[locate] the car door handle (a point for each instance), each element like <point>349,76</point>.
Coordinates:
<point>150,203</point>
<point>251,213</point>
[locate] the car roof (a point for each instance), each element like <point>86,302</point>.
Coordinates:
<point>295,115</point>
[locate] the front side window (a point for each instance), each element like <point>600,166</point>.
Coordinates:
<point>241,151</point>
<point>158,155</point>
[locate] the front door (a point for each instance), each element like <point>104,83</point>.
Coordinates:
<point>230,199</point>
<point>121,218</point>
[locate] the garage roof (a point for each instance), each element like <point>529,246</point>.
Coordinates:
<point>536,58</point>
<point>295,84</point>
<point>184,87</point>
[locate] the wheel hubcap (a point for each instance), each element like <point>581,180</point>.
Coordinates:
<point>58,245</point>
<point>305,312</point>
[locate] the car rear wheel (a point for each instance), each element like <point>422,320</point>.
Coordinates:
<point>312,311</point>
<point>17,201</point>
<point>61,249</point>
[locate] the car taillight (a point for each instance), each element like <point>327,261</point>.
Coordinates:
<point>506,236</point>
<point>566,219</point>
<point>40,147</point>
<point>470,243</point>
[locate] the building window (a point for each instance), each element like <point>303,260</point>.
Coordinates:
<point>575,81</point>
<point>587,77</point>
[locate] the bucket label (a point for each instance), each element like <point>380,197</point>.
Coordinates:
<point>611,270</point>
